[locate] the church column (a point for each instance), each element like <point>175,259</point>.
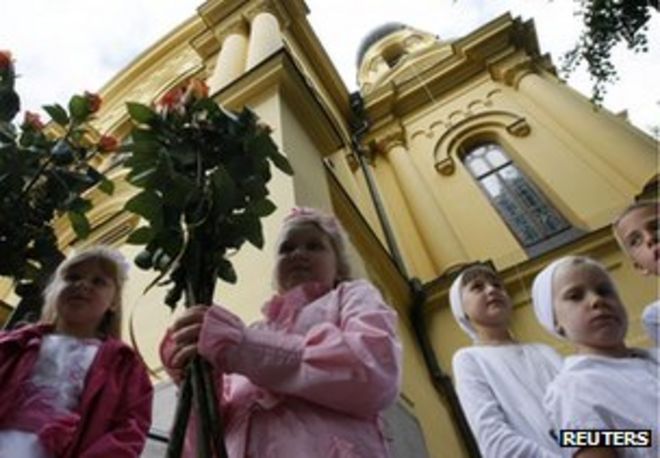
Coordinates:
<point>442,245</point>
<point>231,58</point>
<point>265,36</point>
<point>609,138</point>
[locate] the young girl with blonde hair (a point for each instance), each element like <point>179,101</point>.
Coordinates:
<point>312,377</point>
<point>70,387</point>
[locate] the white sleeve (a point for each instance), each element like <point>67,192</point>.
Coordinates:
<point>495,436</point>
<point>568,406</point>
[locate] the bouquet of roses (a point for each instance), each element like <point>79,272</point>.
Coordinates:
<point>202,171</point>
<point>44,171</point>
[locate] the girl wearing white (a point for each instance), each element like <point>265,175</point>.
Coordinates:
<point>500,382</point>
<point>606,385</point>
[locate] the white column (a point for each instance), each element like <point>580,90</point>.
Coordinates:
<point>265,38</point>
<point>231,61</point>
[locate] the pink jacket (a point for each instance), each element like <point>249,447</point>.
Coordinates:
<point>114,414</point>
<point>311,379</point>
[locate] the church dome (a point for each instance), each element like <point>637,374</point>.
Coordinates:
<point>384,52</point>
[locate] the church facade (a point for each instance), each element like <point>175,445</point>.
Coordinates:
<point>451,152</point>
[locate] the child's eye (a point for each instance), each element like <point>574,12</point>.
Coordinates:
<point>285,248</point>
<point>605,290</point>
<point>476,286</point>
<point>100,281</point>
<point>634,240</point>
<point>575,295</point>
<point>71,277</point>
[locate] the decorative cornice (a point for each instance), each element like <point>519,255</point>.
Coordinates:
<point>512,68</point>
<point>385,139</point>
<point>271,7</point>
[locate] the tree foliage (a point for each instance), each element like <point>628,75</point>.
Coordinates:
<point>606,24</point>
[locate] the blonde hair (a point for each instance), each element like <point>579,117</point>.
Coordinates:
<point>113,264</point>
<point>629,209</point>
<point>327,224</point>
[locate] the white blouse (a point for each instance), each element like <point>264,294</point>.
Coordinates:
<point>501,390</point>
<point>54,389</point>
<point>600,392</point>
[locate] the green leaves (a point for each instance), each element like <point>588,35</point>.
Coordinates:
<point>42,177</point>
<point>57,113</point>
<point>148,205</point>
<point>606,24</point>
<point>140,236</point>
<point>79,223</point>
<point>203,173</point>
<point>224,189</point>
<point>141,113</point>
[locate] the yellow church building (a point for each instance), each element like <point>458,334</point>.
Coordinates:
<point>451,152</point>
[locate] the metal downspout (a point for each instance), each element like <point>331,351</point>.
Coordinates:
<point>441,381</point>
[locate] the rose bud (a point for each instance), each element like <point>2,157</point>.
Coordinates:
<point>94,101</point>
<point>107,144</point>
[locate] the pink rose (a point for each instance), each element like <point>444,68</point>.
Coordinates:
<point>33,121</point>
<point>94,101</point>
<point>172,98</point>
<point>198,88</point>
<point>108,144</point>
<point>5,60</point>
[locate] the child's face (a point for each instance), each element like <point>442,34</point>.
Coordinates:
<point>486,302</point>
<point>86,293</point>
<point>638,231</point>
<point>305,255</point>
<point>587,307</point>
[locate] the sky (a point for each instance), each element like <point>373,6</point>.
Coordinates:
<point>67,46</point>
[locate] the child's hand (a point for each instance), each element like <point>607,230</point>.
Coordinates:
<point>185,334</point>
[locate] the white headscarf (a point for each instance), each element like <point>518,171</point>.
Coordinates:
<point>542,297</point>
<point>457,308</point>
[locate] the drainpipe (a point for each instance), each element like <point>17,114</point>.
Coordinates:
<point>360,126</point>
<point>441,381</point>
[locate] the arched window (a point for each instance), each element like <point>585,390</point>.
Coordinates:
<point>525,210</point>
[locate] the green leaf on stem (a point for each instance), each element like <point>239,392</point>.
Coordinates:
<point>106,186</point>
<point>224,189</point>
<point>140,236</point>
<point>280,161</point>
<point>148,205</point>
<point>141,113</point>
<point>250,227</point>
<point>79,223</point>
<point>262,207</point>
<point>143,260</point>
<point>226,271</point>
<point>57,113</point>
<point>79,205</point>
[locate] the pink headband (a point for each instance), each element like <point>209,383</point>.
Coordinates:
<point>327,223</point>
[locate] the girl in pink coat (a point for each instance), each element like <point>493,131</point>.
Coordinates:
<point>313,376</point>
<point>70,388</point>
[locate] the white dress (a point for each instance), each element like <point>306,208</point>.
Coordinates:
<point>55,386</point>
<point>600,392</point>
<point>501,390</point>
